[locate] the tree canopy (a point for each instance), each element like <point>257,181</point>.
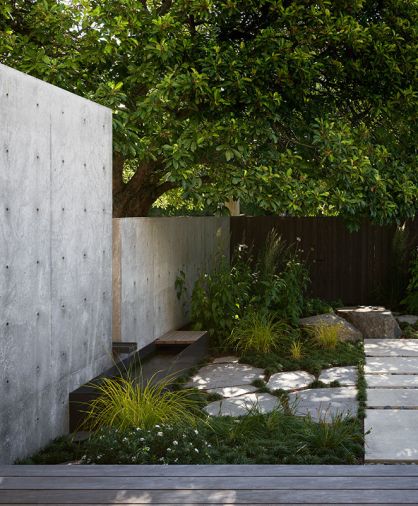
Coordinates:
<point>302,107</point>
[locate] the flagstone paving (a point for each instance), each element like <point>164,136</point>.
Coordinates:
<point>346,376</point>
<point>233,381</point>
<point>325,403</point>
<point>291,380</point>
<point>391,372</point>
<point>242,405</point>
<point>225,375</point>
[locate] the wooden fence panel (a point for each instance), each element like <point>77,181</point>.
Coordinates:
<point>352,266</point>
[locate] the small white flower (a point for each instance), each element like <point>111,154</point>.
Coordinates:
<point>159,434</point>
<point>175,443</point>
<point>196,450</point>
<point>169,449</point>
<point>196,431</point>
<point>157,427</point>
<point>142,439</point>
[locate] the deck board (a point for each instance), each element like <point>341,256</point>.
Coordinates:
<point>229,484</point>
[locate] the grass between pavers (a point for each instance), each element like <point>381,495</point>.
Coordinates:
<point>314,359</point>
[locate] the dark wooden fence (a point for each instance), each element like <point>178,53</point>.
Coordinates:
<point>361,267</point>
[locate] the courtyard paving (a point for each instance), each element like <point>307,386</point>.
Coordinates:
<point>391,424</point>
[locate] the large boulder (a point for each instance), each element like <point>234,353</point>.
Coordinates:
<point>347,331</point>
<point>374,322</point>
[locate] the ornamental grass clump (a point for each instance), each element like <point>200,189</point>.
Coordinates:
<point>296,350</point>
<point>125,403</point>
<point>327,336</point>
<point>258,332</point>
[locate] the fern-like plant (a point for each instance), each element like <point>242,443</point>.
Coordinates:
<point>125,403</point>
<point>258,332</point>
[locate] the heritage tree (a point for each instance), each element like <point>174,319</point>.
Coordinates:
<point>302,107</point>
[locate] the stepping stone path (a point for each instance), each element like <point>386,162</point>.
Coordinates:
<point>291,380</point>
<point>242,405</point>
<point>225,377</point>
<point>346,376</point>
<point>325,403</point>
<point>391,423</point>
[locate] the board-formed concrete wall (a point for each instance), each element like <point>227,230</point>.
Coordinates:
<point>55,256</point>
<point>149,254</point>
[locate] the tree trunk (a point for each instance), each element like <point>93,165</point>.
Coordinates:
<point>136,197</point>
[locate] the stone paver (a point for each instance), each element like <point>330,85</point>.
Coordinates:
<point>233,391</point>
<point>385,398</point>
<point>411,319</point>
<point>325,403</point>
<point>291,380</point>
<point>391,365</point>
<point>393,436</point>
<point>346,376</point>
<point>242,405</point>
<point>230,359</point>
<point>225,375</point>
<point>392,380</point>
<point>391,347</point>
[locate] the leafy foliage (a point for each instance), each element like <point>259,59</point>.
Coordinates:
<point>253,439</point>
<point>304,107</point>
<point>274,283</point>
<point>411,299</point>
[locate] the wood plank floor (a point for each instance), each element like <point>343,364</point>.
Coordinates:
<point>230,484</point>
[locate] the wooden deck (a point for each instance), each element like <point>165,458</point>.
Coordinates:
<point>231,484</point>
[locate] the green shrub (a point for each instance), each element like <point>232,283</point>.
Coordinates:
<point>124,403</point>
<point>258,332</point>
<point>411,299</point>
<point>219,298</point>
<point>275,282</point>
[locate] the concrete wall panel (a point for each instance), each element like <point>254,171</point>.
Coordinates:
<point>152,252</point>
<point>55,256</point>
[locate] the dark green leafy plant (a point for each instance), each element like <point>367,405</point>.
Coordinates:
<point>411,299</point>
<point>302,107</point>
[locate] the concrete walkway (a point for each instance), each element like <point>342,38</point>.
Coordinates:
<point>391,423</point>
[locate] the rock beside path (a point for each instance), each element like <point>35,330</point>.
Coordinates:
<point>348,332</point>
<point>374,322</point>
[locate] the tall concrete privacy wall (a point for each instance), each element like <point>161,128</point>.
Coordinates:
<point>55,256</point>
<point>149,254</point>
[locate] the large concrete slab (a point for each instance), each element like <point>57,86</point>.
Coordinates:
<point>393,436</point>
<point>225,375</point>
<point>346,376</point>
<point>392,380</point>
<point>325,403</point>
<point>392,398</point>
<point>55,256</point>
<point>242,405</point>
<point>152,253</point>
<point>391,365</point>
<point>391,347</point>
<point>291,380</point>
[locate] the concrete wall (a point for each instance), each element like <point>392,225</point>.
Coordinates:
<point>149,254</point>
<point>55,256</point>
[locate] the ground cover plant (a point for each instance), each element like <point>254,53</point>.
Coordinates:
<point>274,438</point>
